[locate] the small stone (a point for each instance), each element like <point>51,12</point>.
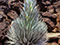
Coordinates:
<point>2,25</point>
<point>12,14</point>
<point>59,41</point>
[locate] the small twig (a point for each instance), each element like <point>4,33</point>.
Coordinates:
<point>53,35</point>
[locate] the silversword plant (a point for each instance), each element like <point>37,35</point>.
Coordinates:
<point>28,28</point>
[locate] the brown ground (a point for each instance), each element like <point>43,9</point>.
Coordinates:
<point>49,9</point>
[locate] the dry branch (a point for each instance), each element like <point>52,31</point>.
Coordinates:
<point>53,35</point>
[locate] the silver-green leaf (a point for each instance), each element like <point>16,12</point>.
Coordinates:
<point>28,28</point>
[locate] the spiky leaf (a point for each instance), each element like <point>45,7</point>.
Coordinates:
<point>28,29</point>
